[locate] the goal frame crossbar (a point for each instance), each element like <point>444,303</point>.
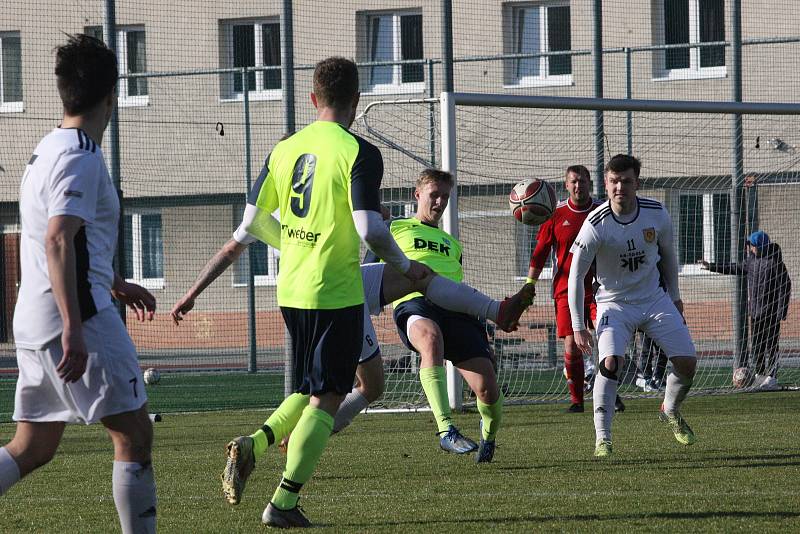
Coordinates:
<point>449,100</point>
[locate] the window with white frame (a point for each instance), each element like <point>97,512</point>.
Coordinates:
<point>265,261</point>
<point>704,229</point>
<point>131,59</point>
<point>253,43</point>
<point>144,249</point>
<point>10,72</point>
<point>690,22</point>
<point>534,29</point>
<point>393,37</point>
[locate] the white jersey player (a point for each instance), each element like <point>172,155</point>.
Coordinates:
<point>77,363</point>
<point>630,239</point>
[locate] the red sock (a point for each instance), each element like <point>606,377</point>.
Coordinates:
<point>574,366</point>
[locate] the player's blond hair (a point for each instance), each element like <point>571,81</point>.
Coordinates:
<point>434,176</point>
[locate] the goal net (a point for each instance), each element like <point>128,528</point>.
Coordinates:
<point>689,156</point>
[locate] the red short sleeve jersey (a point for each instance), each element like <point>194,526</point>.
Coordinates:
<point>559,232</point>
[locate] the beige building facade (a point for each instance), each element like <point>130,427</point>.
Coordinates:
<point>184,181</point>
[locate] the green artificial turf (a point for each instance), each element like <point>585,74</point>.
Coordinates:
<point>386,474</point>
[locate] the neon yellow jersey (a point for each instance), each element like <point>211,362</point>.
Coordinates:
<point>308,177</point>
<point>429,245</point>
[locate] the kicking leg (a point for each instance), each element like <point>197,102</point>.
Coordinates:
<point>460,298</point>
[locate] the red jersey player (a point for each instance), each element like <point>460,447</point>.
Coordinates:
<point>559,232</point>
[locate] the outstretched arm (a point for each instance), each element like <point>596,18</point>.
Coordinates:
<point>215,267</point>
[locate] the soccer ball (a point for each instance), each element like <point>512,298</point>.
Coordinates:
<point>532,201</point>
<point>151,376</point>
<point>742,378</point>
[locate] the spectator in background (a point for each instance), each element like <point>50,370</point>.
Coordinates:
<point>768,293</point>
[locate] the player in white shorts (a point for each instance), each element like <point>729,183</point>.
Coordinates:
<point>630,239</point>
<point>77,363</point>
<point>381,285</point>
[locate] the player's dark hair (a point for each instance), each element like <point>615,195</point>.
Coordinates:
<point>434,176</point>
<point>580,170</point>
<point>336,82</point>
<point>623,162</point>
<point>86,73</point>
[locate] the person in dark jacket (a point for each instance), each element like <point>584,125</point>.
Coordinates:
<point>768,293</point>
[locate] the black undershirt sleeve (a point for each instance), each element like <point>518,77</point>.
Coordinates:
<point>255,190</point>
<point>365,178</point>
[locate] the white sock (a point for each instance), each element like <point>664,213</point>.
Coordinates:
<point>676,390</point>
<point>350,407</point>
<point>603,398</point>
<point>135,497</point>
<point>9,471</point>
<point>461,298</point>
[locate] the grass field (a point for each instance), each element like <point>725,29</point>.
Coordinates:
<point>386,474</point>
<point>205,391</point>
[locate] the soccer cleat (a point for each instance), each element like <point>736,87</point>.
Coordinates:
<point>293,518</point>
<point>603,449</point>
<point>485,449</point>
<point>575,408</point>
<point>619,406</point>
<point>485,452</point>
<point>454,441</point>
<point>513,307</point>
<point>679,427</point>
<point>241,462</point>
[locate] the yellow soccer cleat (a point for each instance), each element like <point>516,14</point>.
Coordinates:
<point>603,449</point>
<point>679,427</point>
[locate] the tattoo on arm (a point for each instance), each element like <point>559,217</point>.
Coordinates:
<point>213,269</point>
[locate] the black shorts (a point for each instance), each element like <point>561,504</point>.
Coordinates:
<point>326,345</point>
<point>464,336</point>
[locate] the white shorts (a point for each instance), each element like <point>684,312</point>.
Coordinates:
<point>372,277</point>
<point>659,319</point>
<point>112,383</point>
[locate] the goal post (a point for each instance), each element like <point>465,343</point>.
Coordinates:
<point>739,190</point>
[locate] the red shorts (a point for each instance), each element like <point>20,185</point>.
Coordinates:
<point>564,319</point>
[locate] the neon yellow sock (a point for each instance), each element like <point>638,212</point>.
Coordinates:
<point>434,383</point>
<point>492,416</point>
<point>281,422</point>
<point>305,448</point>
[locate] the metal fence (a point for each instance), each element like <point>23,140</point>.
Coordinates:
<point>189,138</point>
